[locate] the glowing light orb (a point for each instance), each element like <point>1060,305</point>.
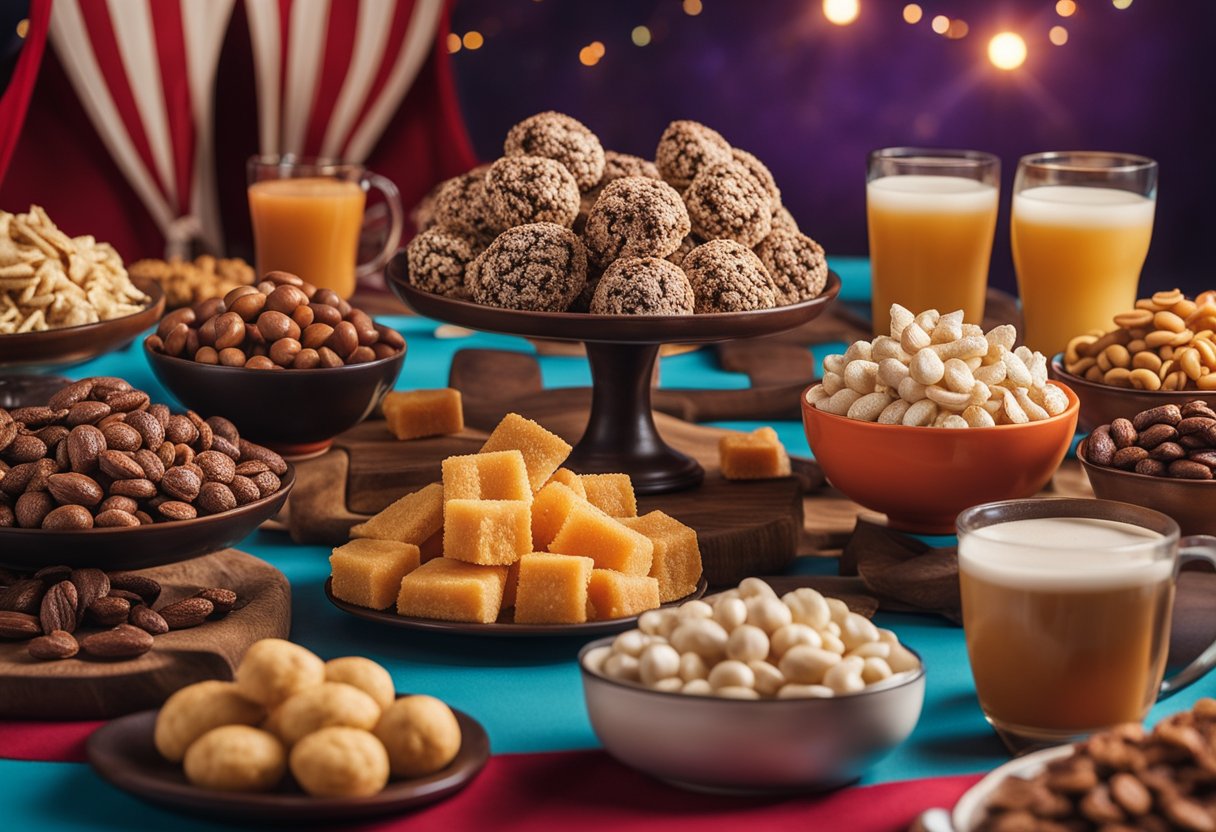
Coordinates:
<point>453,42</point>
<point>692,8</point>
<point>940,24</point>
<point>1066,8</point>
<point>640,35</point>
<point>913,13</point>
<point>473,40</point>
<point>1120,4</point>
<point>841,12</point>
<point>1007,51</point>
<point>1058,35</point>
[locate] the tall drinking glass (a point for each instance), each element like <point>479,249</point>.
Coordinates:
<point>931,215</point>
<point>1081,227</point>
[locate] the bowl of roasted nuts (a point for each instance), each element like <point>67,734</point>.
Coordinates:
<point>121,483</point>
<point>1161,352</point>
<point>1163,458</point>
<point>748,692</point>
<point>291,365</point>
<point>935,417</point>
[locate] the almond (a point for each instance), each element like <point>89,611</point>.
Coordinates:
<point>22,596</point>
<point>122,437</point>
<point>181,483</point>
<point>58,644</point>
<point>85,444</point>
<point>58,610</point>
<point>189,612</point>
<point>122,642</point>
<point>177,510</point>
<point>216,466</point>
<point>69,518</point>
<point>143,586</point>
<point>149,620</point>
<point>120,465</point>
<point>109,611</point>
<point>128,400</point>
<point>90,584</point>
<point>251,450</point>
<point>224,427</point>
<point>140,489</point>
<point>87,413</point>
<point>267,483</point>
<point>36,417</point>
<point>25,447</point>
<point>75,489</point>
<point>215,497</point>
<point>115,518</point>
<point>223,600</point>
<point>67,396</point>
<point>180,430</point>
<point>31,509</point>
<point>244,490</point>
<point>18,625</point>
<point>151,432</point>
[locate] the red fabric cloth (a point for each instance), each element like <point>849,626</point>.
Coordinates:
<point>16,98</point>
<point>46,742</point>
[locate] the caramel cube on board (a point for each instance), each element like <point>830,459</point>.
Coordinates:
<point>494,476</point>
<point>591,533</point>
<point>543,451</point>
<point>414,414</point>
<point>611,493</point>
<point>614,595</point>
<point>677,557</point>
<point>487,532</point>
<point>412,519</point>
<point>368,573</point>
<point>552,589</point>
<point>753,456</point>
<point>452,590</point>
<point>508,592</point>
<point>569,479</point>
<point>550,507</point>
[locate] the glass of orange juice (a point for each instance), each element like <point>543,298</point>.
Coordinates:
<point>931,216</point>
<point>1080,230</point>
<point>308,215</point>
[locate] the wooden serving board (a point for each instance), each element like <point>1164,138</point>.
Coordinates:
<point>82,688</point>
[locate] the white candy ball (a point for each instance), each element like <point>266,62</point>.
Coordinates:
<point>630,643</point>
<point>730,613</point>
<point>769,614</point>
<point>702,636</point>
<point>698,687</point>
<point>658,661</point>
<point>791,635</point>
<point>692,666</point>
<point>747,643</point>
<point>694,609</point>
<point>622,666</point>
<point>756,588</point>
<point>731,674</point>
<point>768,678</point>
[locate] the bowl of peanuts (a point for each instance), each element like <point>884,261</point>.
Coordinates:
<point>1161,352</point>
<point>746,692</point>
<point>1163,458</point>
<point>936,417</point>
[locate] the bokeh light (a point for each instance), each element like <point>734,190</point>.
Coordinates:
<point>590,54</point>
<point>1058,35</point>
<point>473,40</point>
<point>1066,8</point>
<point>957,29</point>
<point>1120,4</point>
<point>692,8</point>
<point>940,24</point>
<point>453,42</point>
<point>23,27</point>
<point>913,13</point>
<point>1007,50</point>
<point>640,35</point>
<point>841,12</point>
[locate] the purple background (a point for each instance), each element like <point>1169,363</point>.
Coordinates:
<point>811,98</point>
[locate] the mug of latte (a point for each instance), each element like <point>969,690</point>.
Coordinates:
<point>1066,610</point>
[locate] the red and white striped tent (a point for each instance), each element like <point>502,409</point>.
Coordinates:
<point>135,123</point>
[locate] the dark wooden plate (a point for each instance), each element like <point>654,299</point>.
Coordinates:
<point>74,344</point>
<point>122,752</point>
<point>140,546</point>
<point>502,628</point>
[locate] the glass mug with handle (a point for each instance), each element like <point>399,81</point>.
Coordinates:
<point>1080,229</point>
<point>1067,609</point>
<point>931,216</point>
<point>308,215</point>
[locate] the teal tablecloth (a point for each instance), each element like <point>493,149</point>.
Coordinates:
<point>526,693</point>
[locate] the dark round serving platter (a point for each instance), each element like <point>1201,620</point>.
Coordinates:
<point>123,753</point>
<point>621,436</point>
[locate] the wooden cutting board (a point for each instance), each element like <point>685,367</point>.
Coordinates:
<point>82,688</point>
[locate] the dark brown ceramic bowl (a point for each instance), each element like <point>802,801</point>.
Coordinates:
<point>123,753</point>
<point>295,412</point>
<point>140,546</point>
<point>74,344</point>
<point>1101,404</point>
<point>1192,503</point>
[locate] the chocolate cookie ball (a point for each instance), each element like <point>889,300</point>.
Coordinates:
<point>620,165</point>
<point>796,265</point>
<point>564,139</point>
<point>643,286</point>
<point>460,204</point>
<point>684,148</point>
<point>528,189</point>
<point>540,267</point>
<point>635,217</point>
<point>423,214</point>
<point>759,171</point>
<point>725,202</point>
<point>438,258</point>
<point>728,277</point>
<point>783,220</point>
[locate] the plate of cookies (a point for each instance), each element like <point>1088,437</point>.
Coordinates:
<point>294,739</point>
<point>65,299</point>
<point>510,543</point>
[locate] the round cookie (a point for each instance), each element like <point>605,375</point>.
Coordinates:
<point>796,265</point>
<point>635,217</point>
<point>460,203</point>
<point>438,258</point>
<point>564,139</point>
<point>540,267</point>
<point>759,172</point>
<point>725,202</point>
<point>685,147</point>
<point>728,277</point>
<point>196,709</point>
<point>527,189</point>
<point>643,286</point>
<point>273,669</point>
<point>327,704</point>
<point>236,758</point>
<point>340,762</point>
<point>366,675</point>
<point>620,165</point>
<point>783,220</point>
<point>421,735</point>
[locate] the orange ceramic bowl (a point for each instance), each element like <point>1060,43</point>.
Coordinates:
<point>921,478</point>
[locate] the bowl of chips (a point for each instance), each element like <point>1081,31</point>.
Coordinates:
<point>65,299</point>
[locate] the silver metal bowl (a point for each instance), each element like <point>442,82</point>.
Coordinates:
<point>710,744</point>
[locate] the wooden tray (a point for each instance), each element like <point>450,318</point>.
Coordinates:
<point>80,688</point>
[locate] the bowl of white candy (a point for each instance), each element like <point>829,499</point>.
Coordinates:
<point>746,692</point>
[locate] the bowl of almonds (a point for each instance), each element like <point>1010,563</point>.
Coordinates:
<point>101,472</point>
<point>290,364</point>
<point>1161,352</point>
